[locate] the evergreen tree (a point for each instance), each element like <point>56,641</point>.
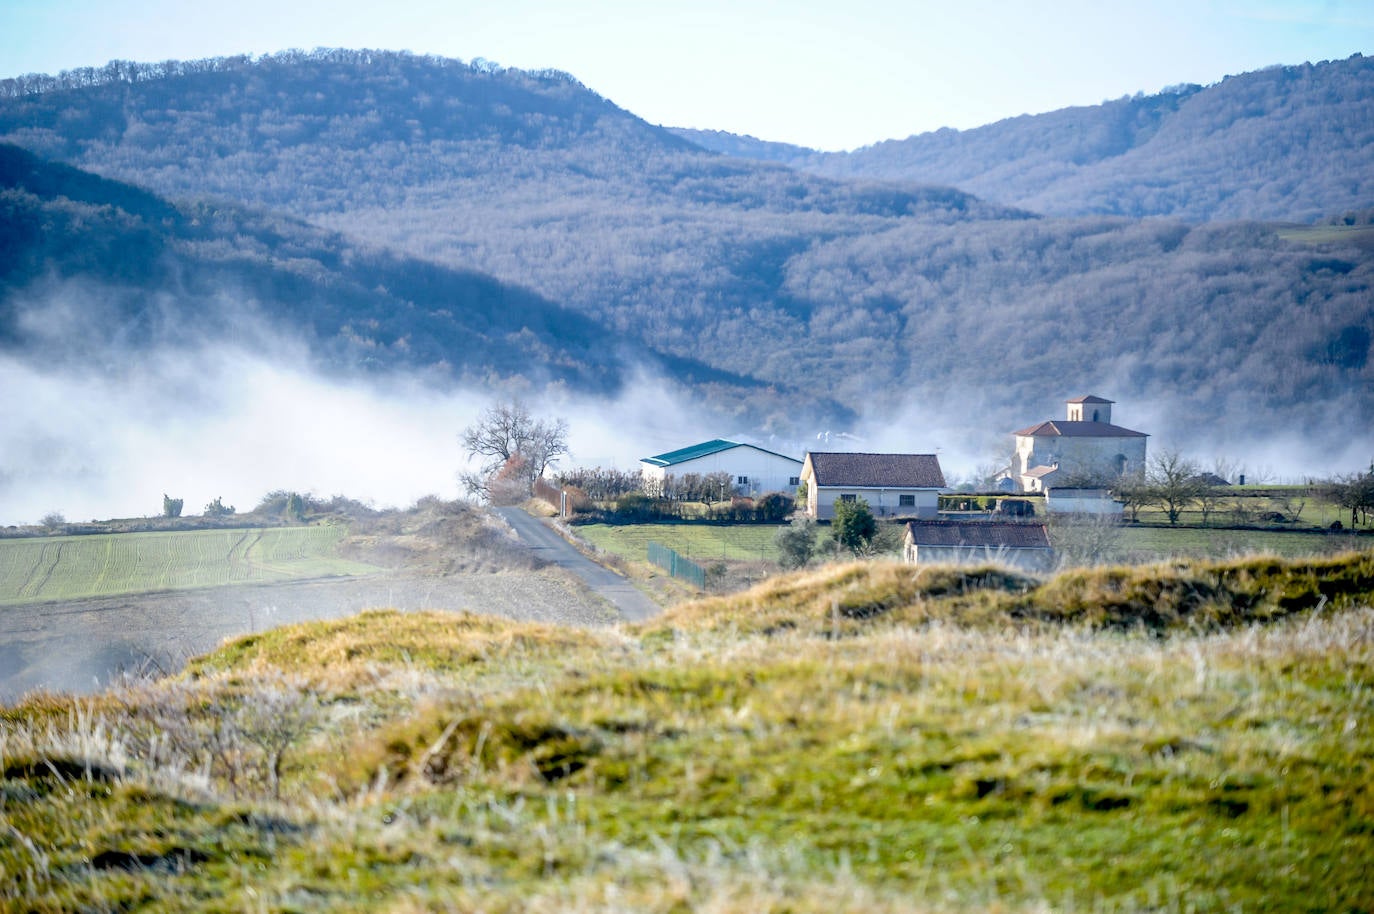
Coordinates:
<point>854,525</point>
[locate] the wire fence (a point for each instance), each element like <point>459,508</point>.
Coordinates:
<point>676,565</point>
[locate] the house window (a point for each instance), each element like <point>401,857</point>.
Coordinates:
<point>741,480</point>
<point>849,498</point>
<point>906,501</point>
<point>794,480</point>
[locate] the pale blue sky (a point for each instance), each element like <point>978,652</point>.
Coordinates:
<point>832,74</point>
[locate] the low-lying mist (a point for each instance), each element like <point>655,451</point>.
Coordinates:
<point>221,422</point>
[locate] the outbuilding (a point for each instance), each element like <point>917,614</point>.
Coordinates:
<point>966,542</point>
<point>893,485</point>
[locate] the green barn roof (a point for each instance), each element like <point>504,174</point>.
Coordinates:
<point>705,449</point>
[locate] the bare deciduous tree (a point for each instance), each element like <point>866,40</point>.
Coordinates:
<point>1173,482</point>
<point>1082,540</point>
<point>1133,492</point>
<point>513,446</point>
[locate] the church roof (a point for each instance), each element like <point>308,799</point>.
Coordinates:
<point>1054,428</point>
<point>1091,399</point>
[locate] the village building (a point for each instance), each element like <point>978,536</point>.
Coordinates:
<point>752,469</point>
<point>1084,448</point>
<point>1095,500</point>
<point>1022,545</point>
<point>893,485</point>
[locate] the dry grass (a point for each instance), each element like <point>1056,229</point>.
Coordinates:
<point>859,738</point>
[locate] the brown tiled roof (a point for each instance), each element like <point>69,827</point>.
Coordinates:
<point>1062,427</point>
<point>978,534</point>
<point>892,471</point>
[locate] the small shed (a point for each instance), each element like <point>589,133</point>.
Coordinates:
<point>1082,500</point>
<point>966,542</point>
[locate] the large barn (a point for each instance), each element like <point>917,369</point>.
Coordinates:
<point>752,469</point>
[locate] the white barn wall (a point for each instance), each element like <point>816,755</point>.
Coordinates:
<point>766,472</point>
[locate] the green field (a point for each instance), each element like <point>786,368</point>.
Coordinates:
<point>1151,543</point>
<point>752,543</point>
<point>698,542</point>
<point>76,567</point>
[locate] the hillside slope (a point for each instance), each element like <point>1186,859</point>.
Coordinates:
<point>1284,143</point>
<point>848,739</point>
<point>917,308</point>
<point>93,271</point>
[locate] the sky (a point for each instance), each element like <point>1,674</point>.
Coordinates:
<point>819,73</point>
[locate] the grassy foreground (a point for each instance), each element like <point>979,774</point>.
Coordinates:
<point>857,738</point>
<point>102,565</point>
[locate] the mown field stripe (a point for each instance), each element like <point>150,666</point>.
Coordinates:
<point>104,565</point>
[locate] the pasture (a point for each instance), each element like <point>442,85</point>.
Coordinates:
<point>1136,543</point>
<point>698,542</point>
<point>78,567</point>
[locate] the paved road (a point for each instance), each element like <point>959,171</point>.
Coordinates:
<point>551,547</point>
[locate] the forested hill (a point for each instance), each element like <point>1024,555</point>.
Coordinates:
<point>1286,143</point>
<point>338,130</point>
<point>911,304</point>
<point>94,271</point>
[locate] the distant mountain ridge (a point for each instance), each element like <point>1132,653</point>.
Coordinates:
<point>1284,143</point>
<point>784,298</point>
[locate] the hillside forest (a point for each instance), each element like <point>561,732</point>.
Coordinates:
<point>415,213</point>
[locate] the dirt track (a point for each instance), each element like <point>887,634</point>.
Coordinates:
<point>81,646</point>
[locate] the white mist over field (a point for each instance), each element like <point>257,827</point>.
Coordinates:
<point>227,424</point>
<point>197,425</point>
<point>213,424</point>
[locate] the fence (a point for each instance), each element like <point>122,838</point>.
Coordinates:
<point>551,494</point>
<point>676,565</point>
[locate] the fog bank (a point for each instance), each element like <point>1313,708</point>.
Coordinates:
<point>220,422</point>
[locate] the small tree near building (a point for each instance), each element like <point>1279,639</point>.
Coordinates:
<point>1173,483</point>
<point>1083,540</point>
<point>853,526</point>
<point>1133,492</point>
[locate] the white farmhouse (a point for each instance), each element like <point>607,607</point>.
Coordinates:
<point>752,470</point>
<point>894,485</point>
<point>1084,447</point>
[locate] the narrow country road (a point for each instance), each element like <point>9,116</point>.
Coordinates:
<point>551,547</point>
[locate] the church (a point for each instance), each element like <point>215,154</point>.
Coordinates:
<point>1084,449</point>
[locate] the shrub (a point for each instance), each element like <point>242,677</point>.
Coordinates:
<point>217,508</point>
<point>796,543</point>
<point>773,508</point>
